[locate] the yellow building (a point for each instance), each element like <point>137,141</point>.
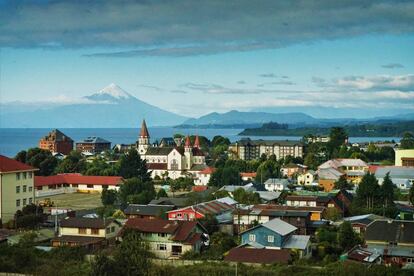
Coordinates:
<point>16,187</point>
<point>404,157</point>
<point>92,233</point>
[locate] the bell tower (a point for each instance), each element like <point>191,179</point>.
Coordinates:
<point>143,139</point>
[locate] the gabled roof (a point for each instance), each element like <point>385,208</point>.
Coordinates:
<point>329,173</point>
<point>276,225</point>
<point>395,172</point>
<point>57,136</point>
<point>208,170</point>
<point>180,231</point>
<point>213,207</point>
<point>85,222</point>
<point>147,210</point>
<point>77,179</point>
<point>345,162</point>
<point>11,165</point>
<point>94,140</point>
<point>261,256</point>
<point>399,231</point>
<point>297,242</point>
<point>159,151</point>
<point>176,201</point>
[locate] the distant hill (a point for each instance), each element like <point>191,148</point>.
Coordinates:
<point>109,108</point>
<point>375,129</point>
<point>238,118</point>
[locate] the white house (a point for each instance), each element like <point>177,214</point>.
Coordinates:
<point>276,184</point>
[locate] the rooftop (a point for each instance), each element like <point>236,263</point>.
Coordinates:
<point>85,222</point>
<point>74,178</point>
<point>94,140</point>
<point>11,165</point>
<point>147,210</point>
<point>388,230</point>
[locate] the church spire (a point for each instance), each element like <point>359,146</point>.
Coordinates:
<point>197,142</point>
<point>187,142</point>
<point>144,130</point>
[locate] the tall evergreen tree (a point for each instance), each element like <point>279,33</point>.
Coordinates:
<point>131,165</point>
<point>387,191</point>
<point>368,192</point>
<point>347,238</point>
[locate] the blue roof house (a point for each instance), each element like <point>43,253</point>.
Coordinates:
<point>276,234</point>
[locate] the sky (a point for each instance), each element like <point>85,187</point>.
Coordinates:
<point>324,58</point>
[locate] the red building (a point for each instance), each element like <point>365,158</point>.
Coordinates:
<point>56,141</point>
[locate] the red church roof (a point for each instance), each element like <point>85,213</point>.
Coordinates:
<point>11,165</point>
<point>187,141</point>
<point>77,179</point>
<point>197,142</point>
<point>144,130</point>
<point>208,170</point>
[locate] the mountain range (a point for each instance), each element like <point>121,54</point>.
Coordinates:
<point>110,107</point>
<point>113,107</point>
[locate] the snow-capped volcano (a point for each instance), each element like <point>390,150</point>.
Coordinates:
<point>111,94</point>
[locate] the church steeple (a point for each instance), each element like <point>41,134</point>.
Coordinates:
<point>143,139</point>
<point>144,130</point>
<point>197,142</point>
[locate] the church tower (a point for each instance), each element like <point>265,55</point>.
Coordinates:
<point>188,153</point>
<point>143,139</point>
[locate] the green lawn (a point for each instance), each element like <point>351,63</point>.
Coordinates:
<point>76,201</point>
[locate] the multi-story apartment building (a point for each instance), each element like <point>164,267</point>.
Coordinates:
<point>93,145</point>
<point>16,187</point>
<point>56,141</point>
<point>247,149</point>
<point>404,157</point>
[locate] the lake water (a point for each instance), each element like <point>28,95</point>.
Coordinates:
<point>13,140</point>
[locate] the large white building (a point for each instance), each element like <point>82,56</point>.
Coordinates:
<point>171,161</point>
<point>247,149</point>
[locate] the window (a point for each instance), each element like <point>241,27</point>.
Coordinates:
<point>270,238</point>
<point>17,189</point>
<point>174,165</point>
<point>30,200</point>
<point>82,231</point>
<point>179,215</point>
<point>252,237</point>
<point>108,230</point>
<point>24,175</point>
<point>89,186</point>
<point>30,189</point>
<point>17,176</point>
<point>113,229</point>
<point>95,231</point>
<point>17,202</point>
<point>162,235</point>
<point>24,201</point>
<point>30,174</point>
<point>161,246</point>
<point>24,188</point>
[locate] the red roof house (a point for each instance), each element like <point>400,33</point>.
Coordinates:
<point>8,165</point>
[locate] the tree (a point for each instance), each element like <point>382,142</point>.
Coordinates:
<point>342,183</point>
<point>161,193</point>
<point>243,197</point>
<point>368,192</point>
<point>73,163</point>
<point>131,165</point>
<point>134,190</point>
<point>387,191</point>
<point>266,170</point>
<point>209,222</point>
<point>407,142</point>
<point>108,197</point>
<point>225,176</point>
<point>337,137</point>
<point>311,161</point>
<point>39,158</point>
<point>411,195</point>
<point>132,255</point>
<point>347,238</point>
<point>102,265</point>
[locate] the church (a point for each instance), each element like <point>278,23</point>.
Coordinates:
<point>171,159</point>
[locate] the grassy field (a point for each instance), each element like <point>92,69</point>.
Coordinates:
<point>76,201</point>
